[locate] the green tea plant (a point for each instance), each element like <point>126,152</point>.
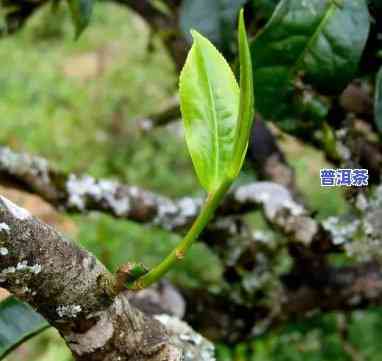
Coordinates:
<point>315,70</point>
<point>217,117</point>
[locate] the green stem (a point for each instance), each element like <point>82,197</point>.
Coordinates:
<point>178,253</point>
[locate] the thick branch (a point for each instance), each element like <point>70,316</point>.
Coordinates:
<point>75,293</point>
<point>301,295</point>
<point>82,193</point>
<point>261,291</point>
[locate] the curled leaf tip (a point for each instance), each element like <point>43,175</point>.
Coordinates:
<point>194,33</point>
<point>241,19</point>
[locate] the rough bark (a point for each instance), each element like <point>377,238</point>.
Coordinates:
<point>76,294</point>
<point>302,295</point>
<point>259,295</point>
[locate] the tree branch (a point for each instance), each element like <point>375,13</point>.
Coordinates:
<point>308,241</point>
<point>75,293</point>
<point>301,296</point>
<point>83,193</point>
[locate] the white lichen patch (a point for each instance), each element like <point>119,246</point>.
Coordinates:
<point>120,205</point>
<point>194,346</point>
<point>189,207</point>
<point>68,311</point>
<point>341,230</point>
<point>8,270</point>
<point>361,202</point>
<point>77,189</point>
<point>187,210</point>
<point>263,236</point>
<point>3,251</point>
<point>226,225</point>
<point>171,215</point>
<point>279,208</point>
<point>343,151</point>
<point>146,124</point>
<point>165,214</point>
<point>26,290</point>
<point>23,266</point>
<point>4,227</point>
<point>22,164</point>
<point>16,211</point>
<point>80,189</point>
<point>86,262</point>
<point>273,197</point>
<point>362,230</point>
<point>304,229</point>
<point>294,208</point>
<point>259,278</point>
<point>377,197</point>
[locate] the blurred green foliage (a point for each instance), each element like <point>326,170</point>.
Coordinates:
<point>75,104</point>
<point>317,339</point>
<point>218,27</point>
<point>83,96</point>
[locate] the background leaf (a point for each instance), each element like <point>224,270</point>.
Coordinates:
<point>378,101</point>
<point>215,19</point>
<point>18,322</point>
<point>209,97</point>
<point>320,39</point>
<point>376,3</point>
<point>81,11</point>
<point>264,7</point>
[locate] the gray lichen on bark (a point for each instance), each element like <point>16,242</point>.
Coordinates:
<point>280,209</point>
<point>364,238</point>
<point>82,193</point>
<point>181,335</point>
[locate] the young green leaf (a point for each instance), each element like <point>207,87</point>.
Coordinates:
<point>378,101</point>
<point>217,121</point>
<point>209,99</point>
<point>246,110</point>
<point>81,11</point>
